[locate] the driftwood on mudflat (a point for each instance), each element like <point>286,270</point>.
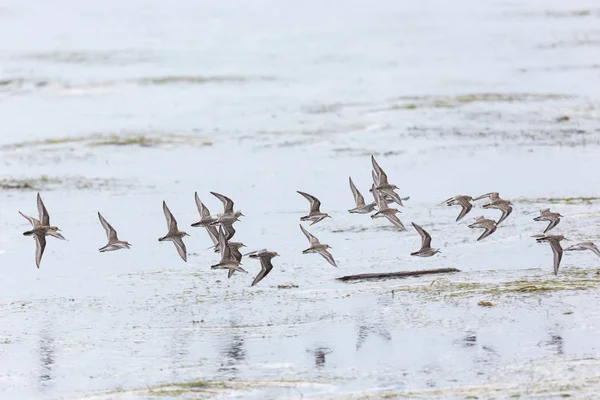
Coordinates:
<point>392,275</point>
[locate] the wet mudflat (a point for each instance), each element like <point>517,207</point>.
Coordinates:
<point>169,99</point>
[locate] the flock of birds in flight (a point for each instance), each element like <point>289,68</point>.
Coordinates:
<point>221,231</point>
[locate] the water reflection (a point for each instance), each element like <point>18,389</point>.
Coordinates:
<point>555,342</point>
<point>46,358</point>
<point>234,351</point>
<point>364,332</point>
<point>319,353</point>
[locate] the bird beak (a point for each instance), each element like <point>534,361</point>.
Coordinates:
<point>242,215</point>
<point>243,245</point>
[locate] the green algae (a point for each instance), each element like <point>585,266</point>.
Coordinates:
<point>49,183</point>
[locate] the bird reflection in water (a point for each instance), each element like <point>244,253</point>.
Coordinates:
<point>319,353</point>
<point>46,354</point>
<point>233,354</point>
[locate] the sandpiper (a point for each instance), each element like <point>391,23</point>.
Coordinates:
<point>228,216</point>
<point>317,247</point>
<point>174,234</point>
<point>41,229</point>
<point>488,224</point>
<point>266,266</point>
<point>228,261</point>
<point>315,215</point>
<point>361,207</point>
<point>234,248</point>
<point>380,180</point>
<point>113,241</point>
<point>557,249</point>
<point>584,246</point>
<point>460,200</point>
<point>385,211</point>
<point>552,217</point>
<point>502,205</point>
<point>425,250</point>
<point>205,218</point>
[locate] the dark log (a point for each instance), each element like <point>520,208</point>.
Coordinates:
<point>394,275</point>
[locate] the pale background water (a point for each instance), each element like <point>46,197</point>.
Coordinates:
<point>256,100</point>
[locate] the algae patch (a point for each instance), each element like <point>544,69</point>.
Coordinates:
<point>49,183</point>
<point>199,80</point>
<point>122,139</point>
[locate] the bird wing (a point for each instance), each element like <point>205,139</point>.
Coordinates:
<point>171,222</point>
<point>202,210</point>
<point>315,204</point>
<point>327,255</point>
<point>393,195</point>
<point>358,198</point>
<point>395,220</point>
<point>381,176</point>
<point>490,195</point>
<point>489,229</point>
<point>224,247</point>
<point>558,252</point>
<point>592,247</point>
<point>506,210</point>
<point>381,203</point>
<point>265,267</point>
<point>466,207</point>
<point>180,246</point>
<point>44,216</point>
<point>111,234</point>
<point>311,238</point>
<point>552,224</point>
<point>229,231</point>
<point>227,202</point>
<point>425,237</point>
<point>40,246</point>
<point>34,222</point>
<point>214,235</point>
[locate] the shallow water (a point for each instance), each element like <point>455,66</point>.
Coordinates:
<point>115,107</point>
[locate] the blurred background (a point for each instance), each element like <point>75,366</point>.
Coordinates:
<point>116,106</point>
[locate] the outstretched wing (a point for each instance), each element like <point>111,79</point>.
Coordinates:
<point>34,222</point>
<point>227,202</point>
<point>558,252</point>
<point>358,198</point>
<point>202,210</point>
<point>111,233</point>
<point>40,245</point>
<point>311,239</point>
<point>171,222</point>
<point>44,216</point>
<point>425,237</point>
<point>315,204</point>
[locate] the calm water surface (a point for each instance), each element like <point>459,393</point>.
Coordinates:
<point>114,107</point>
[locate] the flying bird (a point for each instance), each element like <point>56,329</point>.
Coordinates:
<point>113,241</point>
<point>552,217</point>
<point>174,234</point>
<point>425,250</point>
<point>228,216</point>
<point>41,229</point>
<point>385,211</point>
<point>489,226</point>
<point>317,247</point>
<point>228,260</point>
<point>359,200</point>
<point>463,201</point>
<point>557,249</point>
<point>315,215</point>
<point>266,266</point>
